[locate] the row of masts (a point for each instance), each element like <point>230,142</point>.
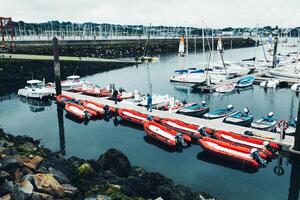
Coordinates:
<point>90,31</point>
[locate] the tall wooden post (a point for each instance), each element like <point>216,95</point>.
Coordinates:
<point>297,133</point>
<point>61,129</point>
<point>294,179</point>
<point>275,52</point>
<point>56,67</point>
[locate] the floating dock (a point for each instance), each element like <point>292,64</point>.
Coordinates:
<point>64,58</point>
<point>288,142</point>
<point>283,82</point>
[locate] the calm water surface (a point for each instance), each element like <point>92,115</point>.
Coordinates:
<point>191,167</point>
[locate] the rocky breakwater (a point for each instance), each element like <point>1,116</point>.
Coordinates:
<point>30,171</point>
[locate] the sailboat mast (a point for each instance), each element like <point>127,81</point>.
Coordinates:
<point>212,44</point>
<point>186,41</point>
<point>203,45</point>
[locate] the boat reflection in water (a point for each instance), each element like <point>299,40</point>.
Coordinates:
<point>36,105</point>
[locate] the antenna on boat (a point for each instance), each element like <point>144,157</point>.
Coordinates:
<point>75,70</point>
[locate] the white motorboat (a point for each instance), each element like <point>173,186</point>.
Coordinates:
<point>157,101</point>
<point>228,87</point>
<point>296,87</point>
<point>272,83</point>
<point>35,89</point>
<point>72,82</point>
<point>288,71</point>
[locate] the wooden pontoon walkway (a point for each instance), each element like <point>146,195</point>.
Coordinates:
<point>214,124</point>
<point>64,58</point>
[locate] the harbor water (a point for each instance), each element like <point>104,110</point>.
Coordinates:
<point>191,167</point>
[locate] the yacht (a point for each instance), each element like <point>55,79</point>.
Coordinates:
<point>35,89</point>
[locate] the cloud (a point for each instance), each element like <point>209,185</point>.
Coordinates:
<point>217,13</point>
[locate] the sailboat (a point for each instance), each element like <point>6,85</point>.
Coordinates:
<point>181,51</point>
<point>146,58</point>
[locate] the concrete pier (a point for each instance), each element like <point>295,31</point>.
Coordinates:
<point>214,124</point>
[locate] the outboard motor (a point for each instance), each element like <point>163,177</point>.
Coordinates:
<point>230,107</point>
<point>179,138</point>
<point>106,110</point>
<point>86,114</point>
<point>270,115</point>
<point>149,118</point>
<point>255,155</point>
<point>268,147</point>
<point>77,101</point>
<point>246,111</point>
<point>202,131</point>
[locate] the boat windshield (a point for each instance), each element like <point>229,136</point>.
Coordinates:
<point>74,80</point>
<point>37,85</point>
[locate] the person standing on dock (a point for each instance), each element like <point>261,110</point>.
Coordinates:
<point>115,96</point>
<point>149,102</point>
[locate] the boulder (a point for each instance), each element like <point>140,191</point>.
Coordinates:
<point>41,196</point>
<point>30,163</point>
<point>23,191</point>
<point>99,197</point>
<point>8,164</point>
<point>6,187</point>
<point>58,175</point>
<point>48,184</point>
<point>69,190</point>
<point>4,175</point>
<point>6,197</point>
<point>116,162</point>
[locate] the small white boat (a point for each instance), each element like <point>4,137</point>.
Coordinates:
<point>157,100</point>
<point>72,82</point>
<point>265,123</point>
<point>296,87</point>
<point>35,89</point>
<point>273,83</point>
<point>228,87</point>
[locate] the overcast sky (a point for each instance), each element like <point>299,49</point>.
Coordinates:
<point>216,13</point>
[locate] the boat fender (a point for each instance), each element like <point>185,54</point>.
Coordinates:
<point>203,103</point>
<point>255,155</point>
<point>179,139</point>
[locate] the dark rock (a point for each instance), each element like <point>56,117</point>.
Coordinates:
<point>6,187</point>
<point>116,162</point>
<point>4,175</point>
<point>69,190</point>
<point>8,164</point>
<point>58,175</point>
<point>41,196</point>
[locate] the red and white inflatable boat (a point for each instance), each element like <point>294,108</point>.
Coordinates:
<point>164,134</point>
<point>64,98</point>
<point>268,148</point>
<point>97,107</point>
<point>134,116</point>
<point>182,127</point>
<point>79,111</point>
<point>236,153</point>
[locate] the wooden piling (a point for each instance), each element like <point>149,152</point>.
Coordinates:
<point>56,67</point>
